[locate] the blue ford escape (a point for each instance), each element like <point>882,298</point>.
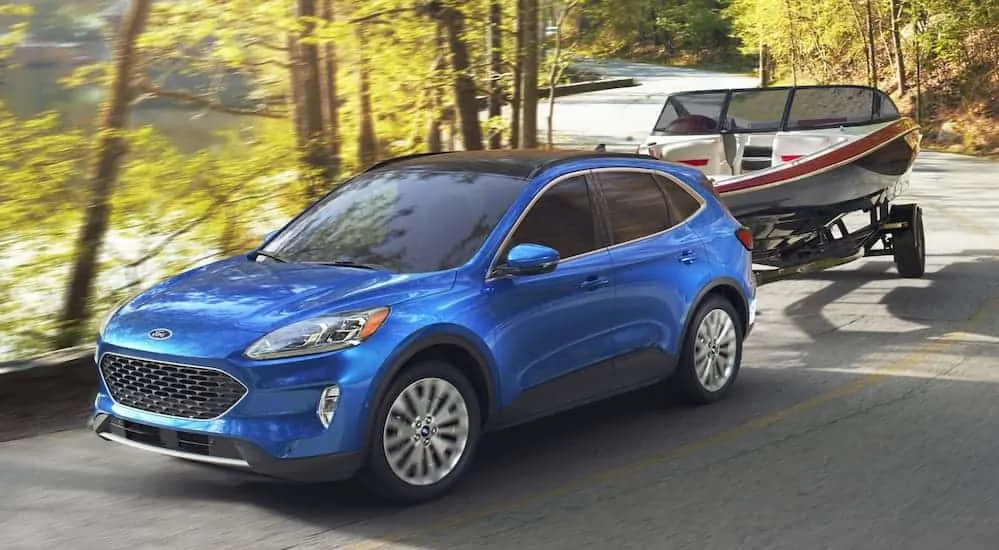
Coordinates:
<point>427,300</point>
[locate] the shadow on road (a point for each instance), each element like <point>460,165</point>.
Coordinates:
<point>531,461</point>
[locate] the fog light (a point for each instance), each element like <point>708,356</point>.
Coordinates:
<point>328,401</point>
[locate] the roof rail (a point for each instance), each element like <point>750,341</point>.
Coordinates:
<point>393,160</point>
<point>595,154</point>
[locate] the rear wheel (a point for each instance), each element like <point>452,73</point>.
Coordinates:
<point>426,432</point>
<point>711,354</point>
<point>909,244</point>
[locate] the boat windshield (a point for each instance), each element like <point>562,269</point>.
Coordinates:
<point>773,109</point>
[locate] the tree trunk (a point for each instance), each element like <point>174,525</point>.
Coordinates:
<point>367,145</point>
<point>316,153</point>
<point>896,33</point>
<point>109,153</point>
<point>529,122</point>
<point>872,52</point>
<point>466,102</point>
<point>435,136</point>
<point>556,72</point>
<point>794,42</point>
<point>516,102</point>
<point>331,97</point>
<point>295,84</point>
<point>495,70</point>
<point>764,68</point>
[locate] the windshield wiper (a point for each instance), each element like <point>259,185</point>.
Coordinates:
<point>350,263</point>
<point>271,256</point>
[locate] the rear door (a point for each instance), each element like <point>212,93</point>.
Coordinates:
<point>659,264</point>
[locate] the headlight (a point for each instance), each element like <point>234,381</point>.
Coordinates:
<point>326,333</point>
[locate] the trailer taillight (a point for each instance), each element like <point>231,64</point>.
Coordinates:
<point>745,237</point>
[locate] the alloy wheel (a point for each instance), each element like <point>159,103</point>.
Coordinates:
<point>715,350</point>
<point>426,431</point>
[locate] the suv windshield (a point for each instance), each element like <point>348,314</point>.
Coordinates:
<point>407,221</point>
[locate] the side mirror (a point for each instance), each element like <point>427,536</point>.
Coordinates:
<point>530,259</point>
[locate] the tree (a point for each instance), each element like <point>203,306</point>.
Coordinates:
<point>896,34</point>
<point>109,152</point>
<point>367,142</point>
<point>529,95</point>
<point>557,68</point>
<point>331,95</point>
<point>495,46</point>
<point>452,20</point>
<point>517,101</point>
<point>316,155</point>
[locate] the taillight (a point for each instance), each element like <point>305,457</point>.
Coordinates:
<point>745,237</point>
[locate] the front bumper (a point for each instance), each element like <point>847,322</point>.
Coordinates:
<point>274,429</point>
<point>224,451</point>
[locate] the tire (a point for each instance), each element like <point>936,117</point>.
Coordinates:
<point>714,312</point>
<point>383,472</point>
<point>909,244</point>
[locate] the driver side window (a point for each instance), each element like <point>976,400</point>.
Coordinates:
<point>562,218</point>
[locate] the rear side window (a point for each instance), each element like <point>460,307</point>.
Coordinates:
<point>636,206</point>
<point>682,204</point>
<point>562,218</point>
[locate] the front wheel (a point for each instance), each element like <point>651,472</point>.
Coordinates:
<point>425,435</point>
<point>711,354</point>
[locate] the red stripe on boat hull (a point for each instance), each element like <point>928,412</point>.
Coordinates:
<point>887,134</point>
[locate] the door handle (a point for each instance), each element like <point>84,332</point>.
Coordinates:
<point>688,257</point>
<point>593,283</point>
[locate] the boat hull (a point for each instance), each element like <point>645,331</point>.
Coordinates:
<point>796,201</point>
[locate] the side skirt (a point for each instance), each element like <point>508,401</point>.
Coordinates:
<point>626,373</point>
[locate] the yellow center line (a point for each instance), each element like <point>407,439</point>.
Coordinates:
<point>916,357</point>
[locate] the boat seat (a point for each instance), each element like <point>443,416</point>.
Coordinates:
<point>789,147</point>
<point>707,154</point>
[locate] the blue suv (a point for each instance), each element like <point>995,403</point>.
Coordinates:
<point>428,300</point>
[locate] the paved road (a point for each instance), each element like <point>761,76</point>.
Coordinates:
<point>865,418</point>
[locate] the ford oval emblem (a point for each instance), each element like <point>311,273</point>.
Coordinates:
<point>160,334</point>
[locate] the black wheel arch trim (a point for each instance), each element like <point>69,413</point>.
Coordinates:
<point>386,376</point>
<point>710,287</point>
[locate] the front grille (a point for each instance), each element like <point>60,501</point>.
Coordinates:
<point>173,390</point>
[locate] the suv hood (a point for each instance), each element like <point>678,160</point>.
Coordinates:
<point>256,297</point>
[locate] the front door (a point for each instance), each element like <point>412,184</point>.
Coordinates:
<point>551,337</point>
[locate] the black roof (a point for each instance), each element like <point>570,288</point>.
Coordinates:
<point>518,163</point>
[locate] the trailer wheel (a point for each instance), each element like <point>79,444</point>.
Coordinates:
<point>909,244</point>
